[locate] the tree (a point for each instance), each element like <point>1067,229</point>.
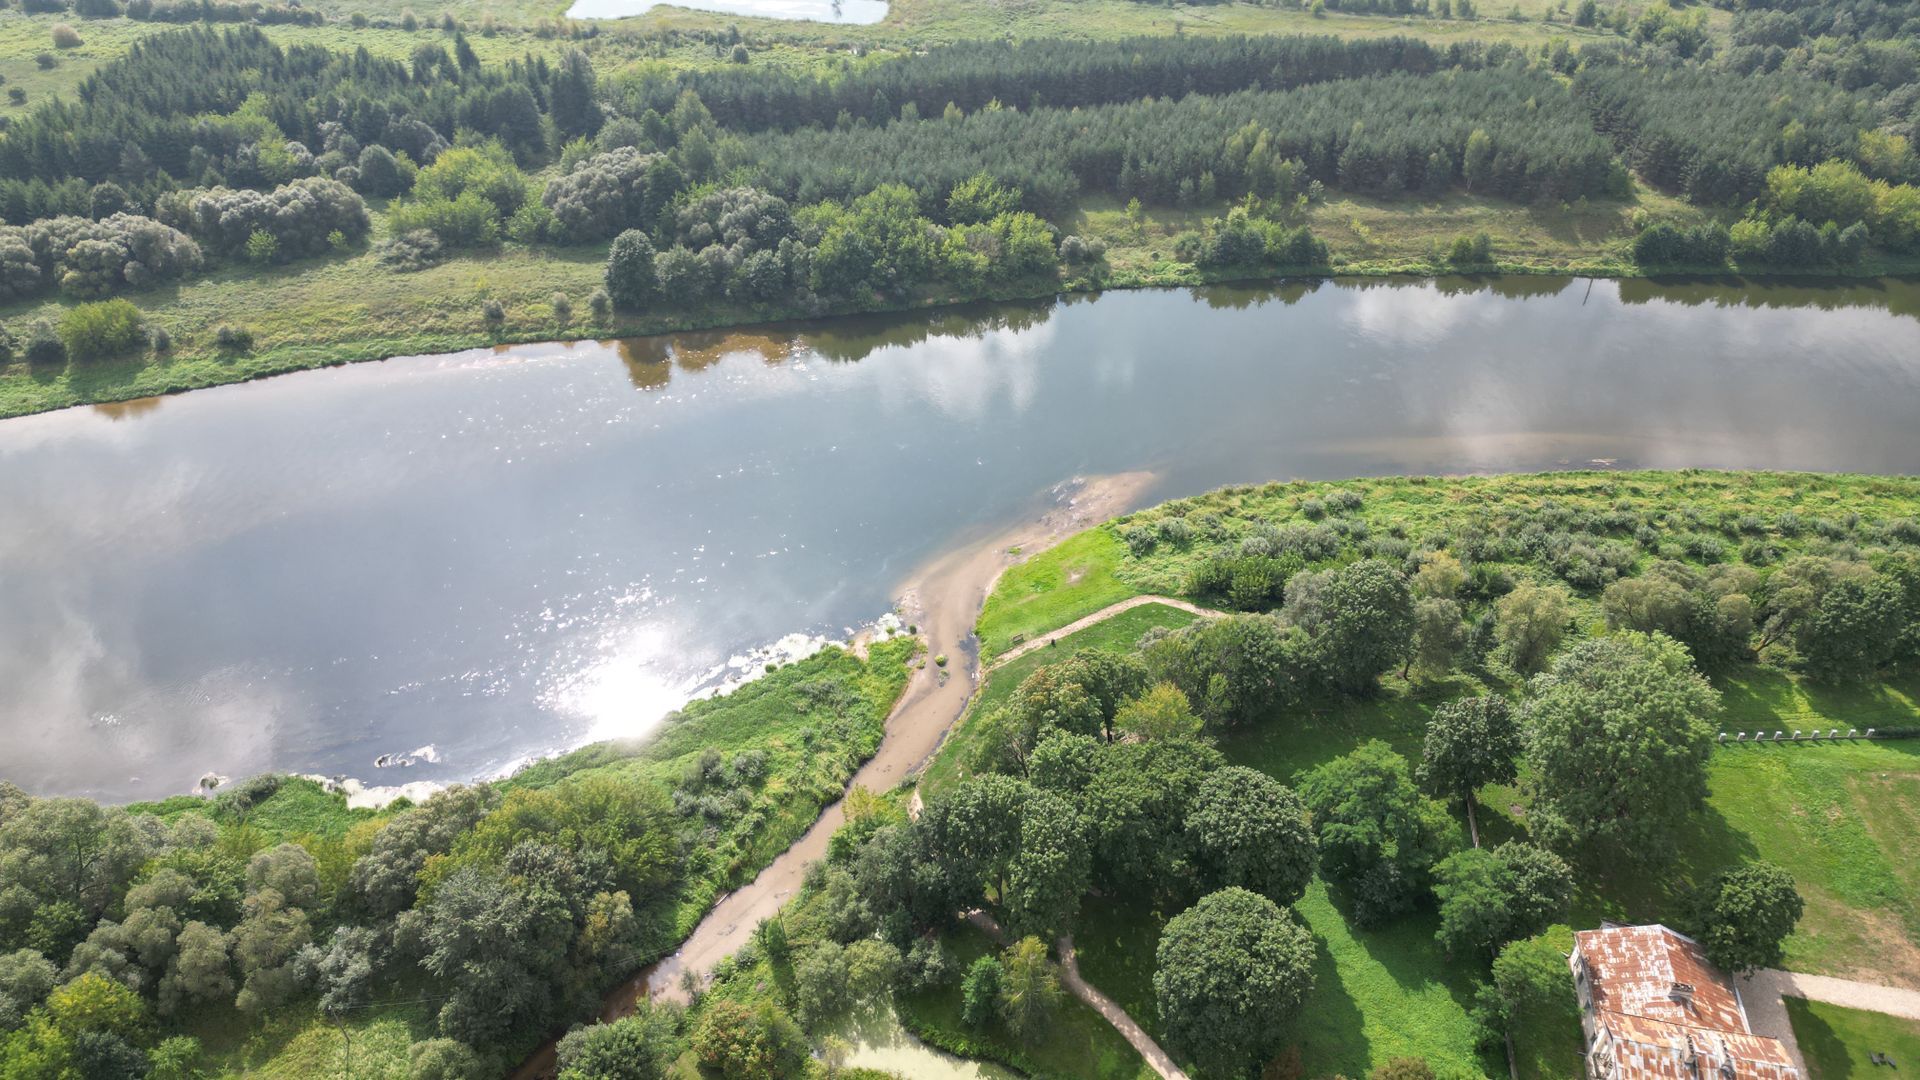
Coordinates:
<point>641,1046</point>
<point>1029,990</point>
<point>96,1003</point>
<point>980,198</point>
<point>746,1042</point>
<point>72,850</point>
<point>1161,712</point>
<point>1049,872</point>
<point>1137,802</point>
<point>980,990</point>
<point>1617,737</point>
<point>1378,836</point>
<point>1368,627</point>
<point>25,978</point>
<point>1854,631</point>
<point>1228,974</point>
<point>1529,623</point>
<point>1745,915</point>
<point>570,100</point>
<point>1488,897</point>
<point>266,949</point>
<point>630,277</point>
<point>1531,989</point>
<point>199,971</point>
<point>1439,635</point>
<point>1471,742</point>
<point>287,869</point>
<point>1248,830</point>
<point>684,277</point>
<point>1233,670</point>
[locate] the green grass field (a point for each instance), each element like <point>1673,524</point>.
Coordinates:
<point>1068,581</point>
<point>1836,1041</point>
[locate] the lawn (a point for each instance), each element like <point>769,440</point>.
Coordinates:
<point>1378,994</point>
<point>1068,581</point>
<point>1836,1041</point>
<point>1119,633</point>
<point>1078,1044</point>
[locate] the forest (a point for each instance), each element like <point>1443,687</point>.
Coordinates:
<point>1779,139</point>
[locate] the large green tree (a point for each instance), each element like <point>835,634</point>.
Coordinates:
<point>1470,742</point>
<point>1249,830</point>
<point>1378,836</point>
<point>1744,916</point>
<point>1617,737</point>
<point>1228,974</point>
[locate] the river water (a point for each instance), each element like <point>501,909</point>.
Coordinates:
<point>465,560</point>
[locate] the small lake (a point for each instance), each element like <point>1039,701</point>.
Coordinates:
<point>430,568</point>
<point>855,12</point>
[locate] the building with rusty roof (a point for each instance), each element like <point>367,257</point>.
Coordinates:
<point>1654,1008</point>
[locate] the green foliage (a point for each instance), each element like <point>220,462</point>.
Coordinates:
<point>1249,831</point>
<point>1744,915</point>
<point>102,329</point>
<point>1488,897</point>
<point>1617,735</point>
<point>1378,836</point>
<point>744,1042</point>
<point>1471,742</point>
<point>1228,974</point>
<point>641,1046</point>
<point>980,990</point>
<point>1029,991</point>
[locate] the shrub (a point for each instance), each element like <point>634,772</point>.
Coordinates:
<point>45,60</point>
<point>44,345</point>
<point>600,304</point>
<point>562,307</point>
<point>66,37</point>
<point>413,250</point>
<point>93,258</point>
<point>494,312</point>
<point>159,340</point>
<point>606,193</point>
<point>298,218</point>
<point>232,337</point>
<point>99,330</point>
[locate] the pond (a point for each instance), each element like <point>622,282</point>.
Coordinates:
<point>855,12</point>
<point>432,568</point>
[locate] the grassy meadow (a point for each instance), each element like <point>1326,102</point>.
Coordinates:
<point>1836,1041</point>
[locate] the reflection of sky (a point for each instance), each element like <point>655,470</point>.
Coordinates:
<point>507,552</point>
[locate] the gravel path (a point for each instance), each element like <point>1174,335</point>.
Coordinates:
<point>1762,991</point>
<point>1102,615</point>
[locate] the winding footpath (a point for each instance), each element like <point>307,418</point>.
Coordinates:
<point>1157,1059</point>
<point>1100,616</point>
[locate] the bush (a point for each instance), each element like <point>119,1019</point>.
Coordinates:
<point>234,338</point>
<point>620,189</point>
<point>44,345</point>
<point>600,304</point>
<point>413,250</point>
<point>103,329</point>
<point>159,340</point>
<point>66,37</point>
<point>562,307</point>
<point>494,312</point>
<point>295,219</point>
<point>92,258</point>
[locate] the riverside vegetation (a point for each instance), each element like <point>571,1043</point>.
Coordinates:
<point>1254,824</point>
<point>255,188</point>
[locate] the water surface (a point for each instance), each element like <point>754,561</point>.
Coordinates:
<point>464,560</point>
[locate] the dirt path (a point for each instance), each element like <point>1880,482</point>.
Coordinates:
<point>1102,615</point>
<point>1157,1059</point>
<point>944,600</point>
<point>1761,993</point>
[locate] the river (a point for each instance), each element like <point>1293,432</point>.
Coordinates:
<point>429,569</point>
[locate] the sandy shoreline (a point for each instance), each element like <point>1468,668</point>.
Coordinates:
<point>944,599</point>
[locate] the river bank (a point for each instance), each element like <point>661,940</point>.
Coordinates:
<point>943,599</point>
<point>327,312</point>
